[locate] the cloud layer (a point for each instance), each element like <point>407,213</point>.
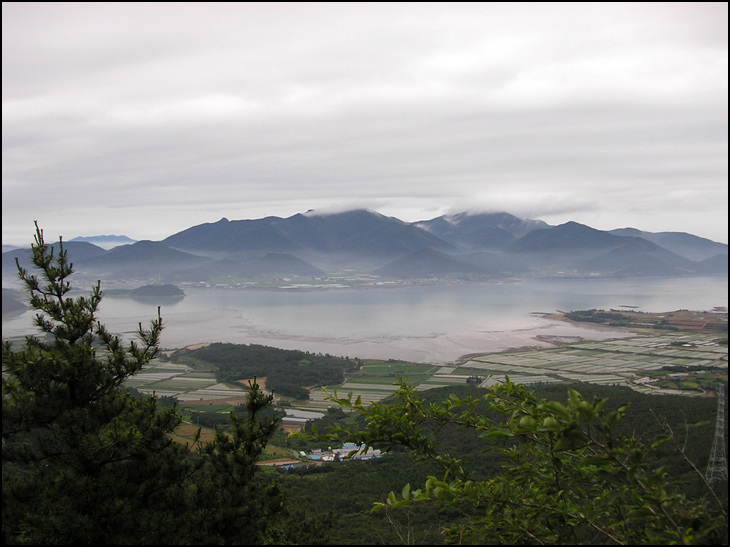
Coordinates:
<point>147,119</point>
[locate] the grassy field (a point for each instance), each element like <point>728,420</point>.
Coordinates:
<point>394,367</point>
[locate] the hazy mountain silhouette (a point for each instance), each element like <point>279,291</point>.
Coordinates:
<point>141,259</point>
<point>570,237</point>
<point>582,250</point>
<point>483,245</point>
<point>13,302</point>
<point>428,263</point>
<point>76,253</point>
<point>687,245</point>
<point>358,232</point>
<point>637,259</point>
<point>231,270</point>
<point>715,264</point>
<point>278,264</point>
<point>106,241</point>
<point>481,230</point>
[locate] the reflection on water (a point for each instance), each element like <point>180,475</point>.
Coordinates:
<point>429,324</point>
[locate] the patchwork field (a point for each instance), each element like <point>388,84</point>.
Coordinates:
<point>639,362</point>
<point>689,363</point>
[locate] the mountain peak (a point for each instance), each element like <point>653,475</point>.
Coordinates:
<point>569,237</point>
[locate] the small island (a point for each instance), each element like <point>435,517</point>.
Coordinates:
<point>167,290</point>
<point>158,290</point>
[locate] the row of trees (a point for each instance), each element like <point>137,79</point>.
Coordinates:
<point>599,316</point>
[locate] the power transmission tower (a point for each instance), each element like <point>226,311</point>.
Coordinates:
<point>717,466</point>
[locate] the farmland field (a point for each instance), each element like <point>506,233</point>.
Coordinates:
<point>688,363</point>
<point>633,362</point>
<point>677,363</point>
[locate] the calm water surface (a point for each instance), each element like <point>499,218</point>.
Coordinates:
<point>434,324</point>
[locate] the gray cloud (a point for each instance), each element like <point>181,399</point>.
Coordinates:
<point>146,119</point>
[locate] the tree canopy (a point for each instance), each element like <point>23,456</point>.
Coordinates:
<point>569,475</point>
<point>287,372</point>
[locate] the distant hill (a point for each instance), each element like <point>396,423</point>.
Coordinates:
<point>582,250</point>
<point>570,237</point>
<point>9,267</point>
<point>509,264</point>
<point>13,302</point>
<point>715,264</point>
<point>621,262</point>
<point>77,252</point>
<point>682,243</point>
<point>166,292</point>
<point>141,259</point>
<point>158,290</point>
<point>218,271</point>
<point>146,251</point>
<point>638,257</point>
<point>278,264</point>
<point>228,270</point>
<point>431,263</point>
<point>106,242</point>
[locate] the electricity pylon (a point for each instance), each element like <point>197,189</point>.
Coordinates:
<point>717,466</point>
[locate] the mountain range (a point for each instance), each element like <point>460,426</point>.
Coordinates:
<point>462,247</point>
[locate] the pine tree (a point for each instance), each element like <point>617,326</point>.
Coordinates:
<point>86,462</point>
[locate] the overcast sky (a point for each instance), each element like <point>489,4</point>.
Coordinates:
<point>146,119</point>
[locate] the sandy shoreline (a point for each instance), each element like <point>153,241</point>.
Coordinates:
<point>440,348</point>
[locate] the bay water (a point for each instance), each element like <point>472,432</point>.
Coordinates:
<point>433,324</point>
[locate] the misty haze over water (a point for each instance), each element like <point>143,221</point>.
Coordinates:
<point>435,324</point>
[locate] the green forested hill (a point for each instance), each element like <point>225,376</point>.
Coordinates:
<point>287,372</point>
